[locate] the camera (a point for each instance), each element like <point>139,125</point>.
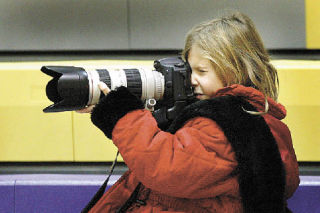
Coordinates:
<point>165,90</point>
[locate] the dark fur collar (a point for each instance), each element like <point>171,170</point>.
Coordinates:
<point>260,168</point>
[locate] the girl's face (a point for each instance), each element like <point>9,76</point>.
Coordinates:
<point>203,78</point>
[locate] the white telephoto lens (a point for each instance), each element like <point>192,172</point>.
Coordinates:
<point>118,78</point>
<point>152,82</point>
<point>94,91</point>
<point>158,85</point>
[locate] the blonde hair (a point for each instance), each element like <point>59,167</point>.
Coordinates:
<point>235,49</point>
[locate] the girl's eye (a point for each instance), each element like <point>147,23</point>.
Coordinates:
<point>202,71</point>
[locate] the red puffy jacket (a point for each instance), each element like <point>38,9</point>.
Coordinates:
<point>191,170</point>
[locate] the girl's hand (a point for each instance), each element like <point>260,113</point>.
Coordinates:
<point>104,88</point>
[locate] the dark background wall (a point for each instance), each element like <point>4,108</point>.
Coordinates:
<point>137,24</point>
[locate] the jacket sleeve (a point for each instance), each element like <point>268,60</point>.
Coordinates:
<point>195,162</point>
<point>112,107</point>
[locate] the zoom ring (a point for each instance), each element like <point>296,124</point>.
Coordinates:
<point>134,83</point>
<point>104,76</point>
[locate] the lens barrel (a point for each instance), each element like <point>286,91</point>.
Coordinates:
<point>73,88</point>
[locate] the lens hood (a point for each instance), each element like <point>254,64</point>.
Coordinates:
<point>68,89</point>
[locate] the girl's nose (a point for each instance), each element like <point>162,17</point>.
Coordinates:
<point>194,81</point>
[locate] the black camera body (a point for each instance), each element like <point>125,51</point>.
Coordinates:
<point>178,89</point>
<point>168,88</point>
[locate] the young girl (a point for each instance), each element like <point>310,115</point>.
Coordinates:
<point>227,152</point>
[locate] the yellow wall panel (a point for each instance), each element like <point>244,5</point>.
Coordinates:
<point>26,133</point>
<point>300,94</point>
<point>90,143</point>
<point>312,24</point>
<point>305,129</point>
<point>299,82</point>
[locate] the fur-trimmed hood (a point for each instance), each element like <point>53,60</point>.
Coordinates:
<point>255,97</point>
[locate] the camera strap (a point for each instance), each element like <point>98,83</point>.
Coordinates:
<point>101,190</point>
